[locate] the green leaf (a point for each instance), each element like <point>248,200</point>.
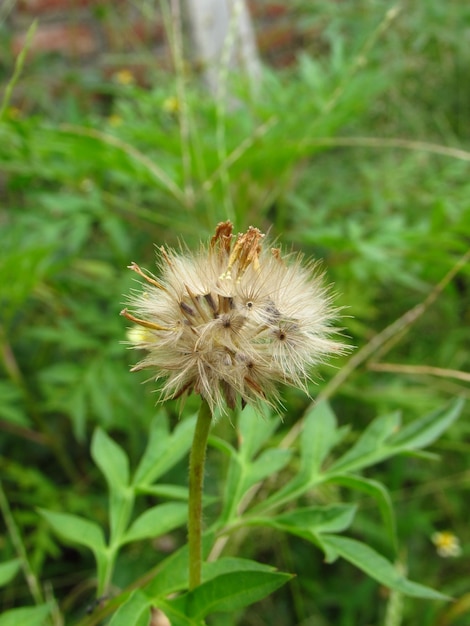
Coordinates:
<point>8,570</point>
<point>370,447</point>
<point>172,574</point>
<point>134,612</point>
<point>383,438</point>
<point>269,463</point>
<point>11,408</point>
<point>176,614</point>
<point>232,489</point>
<point>254,431</point>
<point>424,431</point>
<point>377,491</point>
<point>222,445</point>
<point>228,564</point>
<point>172,492</point>
<point>319,435</point>
<point>157,521</point>
<point>230,592</point>
<point>377,567</point>
<point>163,450</point>
<point>114,464</point>
<point>76,529</point>
<point>27,616</point>
<point>111,459</point>
<point>310,522</point>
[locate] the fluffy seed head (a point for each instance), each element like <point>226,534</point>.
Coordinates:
<point>231,320</point>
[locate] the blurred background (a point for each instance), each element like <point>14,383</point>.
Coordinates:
<point>342,128</point>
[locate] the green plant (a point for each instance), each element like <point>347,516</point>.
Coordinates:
<point>357,155</point>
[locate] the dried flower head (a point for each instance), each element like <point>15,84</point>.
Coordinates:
<point>232,320</point>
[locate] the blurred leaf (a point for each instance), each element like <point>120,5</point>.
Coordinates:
<point>172,492</point>
<point>227,564</point>
<point>76,529</point>
<point>134,612</point>
<point>83,532</point>
<point>8,570</point>
<point>267,464</point>
<point>308,522</point>
<point>424,431</point>
<point>22,267</point>
<point>254,431</point>
<point>28,616</point>
<point>10,404</point>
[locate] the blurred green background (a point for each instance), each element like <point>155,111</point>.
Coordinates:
<point>356,153</point>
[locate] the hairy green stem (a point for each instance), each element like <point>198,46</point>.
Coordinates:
<point>196,479</point>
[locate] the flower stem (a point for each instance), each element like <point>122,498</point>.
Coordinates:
<point>196,479</point>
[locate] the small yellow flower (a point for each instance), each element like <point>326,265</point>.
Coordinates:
<point>115,120</point>
<point>447,544</point>
<point>124,77</point>
<point>232,320</point>
<point>171,105</point>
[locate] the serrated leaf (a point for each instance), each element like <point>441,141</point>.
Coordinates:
<point>157,521</point>
<point>26,616</point>
<point>134,612</point>
<point>231,592</point>
<point>8,570</point>
<point>378,567</point>
<point>111,459</point>
<point>76,529</point>
<point>164,450</point>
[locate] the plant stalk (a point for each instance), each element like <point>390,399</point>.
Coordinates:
<point>196,479</point>
<point>17,541</point>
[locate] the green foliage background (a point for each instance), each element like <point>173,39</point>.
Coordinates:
<point>357,155</point>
